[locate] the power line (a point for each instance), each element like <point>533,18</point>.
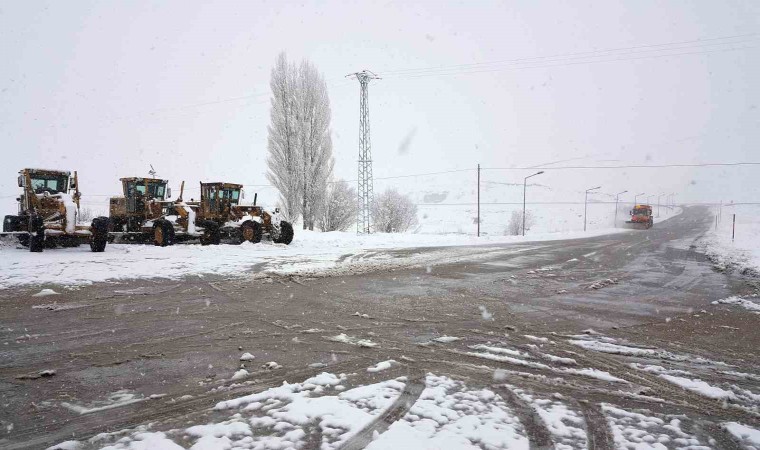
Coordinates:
<point>581,203</point>
<point>625,166</point>
<point>543,65</point>
<point>695,43</point>
<point>630,166</point>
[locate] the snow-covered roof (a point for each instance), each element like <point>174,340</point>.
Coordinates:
<point>66,172</point>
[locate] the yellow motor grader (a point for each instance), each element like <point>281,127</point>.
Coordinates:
<point>144,214</point>
<point>48,209</point>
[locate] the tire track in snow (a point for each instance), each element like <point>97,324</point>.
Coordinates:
<point>129,416</point>
<point>598,431</point>
<point>395,412</point>
<point>539,437</point>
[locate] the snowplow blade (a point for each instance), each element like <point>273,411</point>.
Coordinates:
<point>636,225</point>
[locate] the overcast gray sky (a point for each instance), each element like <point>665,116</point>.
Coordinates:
<point>108,88</point>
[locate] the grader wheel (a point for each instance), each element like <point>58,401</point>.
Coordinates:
<point>211,233</point>
<point>163,233</point>
<point>251,231</point>
<point>99,234</point>
<point>286,233</point>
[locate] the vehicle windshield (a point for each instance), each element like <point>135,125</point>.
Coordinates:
<point>155,190</point>
<point>233,195</point>
<point>52,184</point>
<point>214,192</point>
<point>640,211</point>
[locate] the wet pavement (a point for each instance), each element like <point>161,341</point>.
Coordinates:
<point>176,340</point>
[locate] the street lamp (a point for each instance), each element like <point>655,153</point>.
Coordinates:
<point>658,204</point>
<point>525,184</point>
<point>635,197</point>
<point>585,205</point>
<point>616,205</point>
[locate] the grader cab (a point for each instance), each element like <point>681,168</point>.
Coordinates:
<point>48,210</point>
<point>143,200</point>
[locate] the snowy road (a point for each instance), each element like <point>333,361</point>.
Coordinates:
<point>608,342</point>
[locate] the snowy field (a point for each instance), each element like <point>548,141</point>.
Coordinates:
<point>743,252</point>
<point>448,204</point>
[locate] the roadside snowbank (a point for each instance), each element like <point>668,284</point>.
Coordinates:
<point>741,253</point>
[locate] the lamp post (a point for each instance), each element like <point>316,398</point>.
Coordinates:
<point>617,197</point>
<point>525,185</point>
<point>585,205</point>
<point>635,197</point>
<point>658,204</point>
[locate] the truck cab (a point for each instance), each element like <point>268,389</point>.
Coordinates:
<point>642,215</point>
<point>143,199</point>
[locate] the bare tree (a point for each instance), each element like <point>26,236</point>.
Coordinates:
<point>300,147</point>
<point>339,208</point>
<point>284,160</point>
<point>514,228</point>
<point>314,141</point>
<point>393,212</point>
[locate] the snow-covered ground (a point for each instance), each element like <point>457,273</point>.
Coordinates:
<point>309,253</point>
<point>742,253</point>
<point>448,204</point>
<point>446,214</point>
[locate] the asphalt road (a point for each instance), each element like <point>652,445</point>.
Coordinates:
<point>170,338</point>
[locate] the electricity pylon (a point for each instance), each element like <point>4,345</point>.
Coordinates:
<point>364,193</point>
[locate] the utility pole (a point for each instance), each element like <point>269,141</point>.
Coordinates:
<point>617,197</point>
<point>525,184</point>
<point>478,200</point>
<point>585,205</point>
<point>365,193</point>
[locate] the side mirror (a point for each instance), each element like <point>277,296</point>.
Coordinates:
<point>168,192</point>
<point>20,181</point>
<point>277,210</point>
<point>73,184</point>
<point>242,194</point>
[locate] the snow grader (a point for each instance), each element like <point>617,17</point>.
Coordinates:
<point>145,215</point>
<point>48,211</point>
<point>641,218</point>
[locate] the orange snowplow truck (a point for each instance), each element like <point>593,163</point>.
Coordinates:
<point>641,217</point>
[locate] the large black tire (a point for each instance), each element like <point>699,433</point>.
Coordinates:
<point>11,223</point>
<point>36,234</point>
<point>211,234</point>
<point>17,223</point>
<point>251,231</point>
<point>286,233</point>
<point>99,234</point>
<point>163,233</point>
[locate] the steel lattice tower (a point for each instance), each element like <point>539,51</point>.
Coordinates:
<point>365,194</point>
